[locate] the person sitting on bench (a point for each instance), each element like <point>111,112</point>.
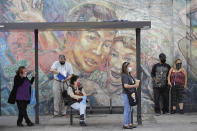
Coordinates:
<point>76,91</point>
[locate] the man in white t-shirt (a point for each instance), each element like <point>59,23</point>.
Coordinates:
<point>64,68</point>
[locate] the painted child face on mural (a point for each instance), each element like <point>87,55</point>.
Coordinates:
<point>122,51</point>
<point>92,49</point>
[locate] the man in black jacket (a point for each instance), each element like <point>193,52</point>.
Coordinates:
<point>160,88</point>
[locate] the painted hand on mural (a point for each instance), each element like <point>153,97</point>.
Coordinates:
<point>27,10</point>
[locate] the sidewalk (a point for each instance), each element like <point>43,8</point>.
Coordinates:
<point>106,122</point>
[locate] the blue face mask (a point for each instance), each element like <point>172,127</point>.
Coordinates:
<point>129,69</point>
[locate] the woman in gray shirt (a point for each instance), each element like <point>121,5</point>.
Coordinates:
<point>127,82</point>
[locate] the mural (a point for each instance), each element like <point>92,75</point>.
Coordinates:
<point>96,55</point>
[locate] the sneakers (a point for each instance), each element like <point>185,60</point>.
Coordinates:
<point>82,123</point>
<point>181,112</point>
<point>127,127</point>
<point>82,120</point>
<point>30,124</point>
<point>133,125</point>
<point>158,113</point>
<point>173,111</point>
<point>19,124</point>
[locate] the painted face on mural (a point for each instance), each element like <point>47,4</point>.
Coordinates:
<point>120,53</point>
<point>92,49</point>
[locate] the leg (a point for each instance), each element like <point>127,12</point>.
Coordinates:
<point>56,95</point>
<point>82,109</point>
<point>27,120</point>
<point>156,100</point>
<point>127,110</point>
<point>165,96</point>
<point>131,115</point>
<point>20,112</point>
<point>181,106</point>
<point>63,107</point>
<point>181,98</point>
<point>174,99</point>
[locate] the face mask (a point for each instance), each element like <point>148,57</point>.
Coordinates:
<point>62,62</point>
<point>78,84</point>
<point>129,69</point>
<point>178,66</point>
<point>163,60</point>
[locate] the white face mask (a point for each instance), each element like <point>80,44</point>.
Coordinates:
<point>129,69</point>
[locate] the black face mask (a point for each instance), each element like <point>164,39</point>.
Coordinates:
<point>163,60</point>
<point>178,66</point>
<point>62,62</point>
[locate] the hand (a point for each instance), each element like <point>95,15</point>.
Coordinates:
<point>155,81</point>
<point>185,86</point>
<point>137,83</point>
<point>77,91</point>
<point>64,80</point>
<point>34,74</point>
<point>169,84</point>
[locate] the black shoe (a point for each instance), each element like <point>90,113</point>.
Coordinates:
<point>133,125</point>
<point>127,127</point>
<point>158,113</point>
<point>164,112</point>
<point>82,123</point>
<point>173,111</point>
<point>19,124</point>
<point>30,124</point>
<point>181,112</point>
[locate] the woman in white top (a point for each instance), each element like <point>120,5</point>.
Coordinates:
<point>76,91</point>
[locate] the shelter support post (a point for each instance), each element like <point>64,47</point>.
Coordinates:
<point>138,68</point>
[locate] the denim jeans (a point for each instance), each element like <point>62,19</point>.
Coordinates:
<point>128,111</point>
<point>81,107</point>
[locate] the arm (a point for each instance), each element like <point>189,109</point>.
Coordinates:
<point>83,91</point>
<point>54,68</point>
<point>69,77</point>
<point>70,92</point>
<point>186,77</point>
<point>32,80</point>
<point>153,73</point>
<point>54,71</point>
<point>169,74</point>
<point>125,81</point>
<point>132,86</point>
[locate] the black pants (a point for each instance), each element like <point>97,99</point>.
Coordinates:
<point>164,93</point>
<point>22,109</point>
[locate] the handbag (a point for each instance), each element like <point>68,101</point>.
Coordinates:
<point>33,97</point>
<point>132,93</point>
<point>132,96</point>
